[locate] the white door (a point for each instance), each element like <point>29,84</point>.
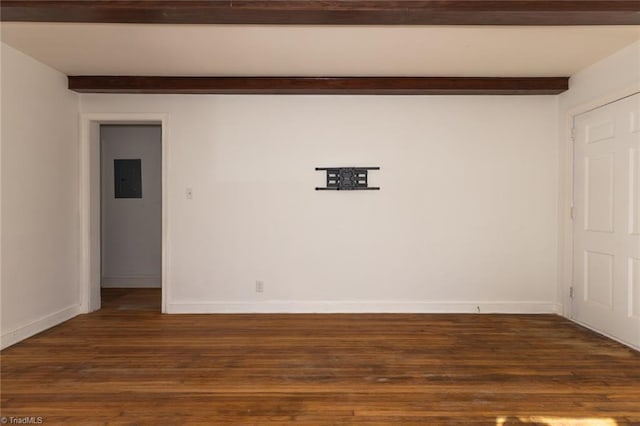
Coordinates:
<point>606,252</point>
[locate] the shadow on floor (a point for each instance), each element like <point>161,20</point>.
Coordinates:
<point>131,299</point>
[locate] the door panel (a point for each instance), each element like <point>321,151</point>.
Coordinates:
<point>598,278</point>
<point>606,226</point>
<point>634,210</point>
<point>599,193</point>
<point>634,287</point>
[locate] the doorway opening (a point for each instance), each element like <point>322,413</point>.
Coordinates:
<point>131,215</point>
<point>123,211</point>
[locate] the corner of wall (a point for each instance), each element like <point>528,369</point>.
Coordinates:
<point>39,325</point>
<point>39,115</point>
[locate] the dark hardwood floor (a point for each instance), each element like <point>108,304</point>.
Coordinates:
<point>128,364</point>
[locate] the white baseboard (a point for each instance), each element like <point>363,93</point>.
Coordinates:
<point>276,306</point>
<point>631,345</point>
<point>17,335</point>
<point>133,281</point>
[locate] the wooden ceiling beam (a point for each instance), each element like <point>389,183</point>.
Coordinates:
<point>321,85</point>
<point>327,12</point>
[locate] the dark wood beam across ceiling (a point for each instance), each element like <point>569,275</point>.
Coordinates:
<point>336,12</point>
<point>321,86</point>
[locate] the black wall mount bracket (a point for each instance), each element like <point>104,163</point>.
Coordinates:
<point>347,179</point>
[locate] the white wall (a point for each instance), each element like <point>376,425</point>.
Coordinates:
<point>467,214</point>
<point>607,77</point>
<point>605,81</point>
<point>132,227</point>
<point>40,218</point>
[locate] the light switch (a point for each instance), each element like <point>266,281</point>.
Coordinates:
<point>189,193</point>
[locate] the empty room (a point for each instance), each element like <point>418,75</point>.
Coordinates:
<point>320,212</point>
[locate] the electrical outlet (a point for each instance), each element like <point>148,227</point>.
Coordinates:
<point>259,286</point>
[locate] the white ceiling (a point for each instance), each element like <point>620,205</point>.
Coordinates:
<point>251,50</point>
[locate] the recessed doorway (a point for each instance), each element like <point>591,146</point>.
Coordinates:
<point>131,207</point>
<point>123,207</point>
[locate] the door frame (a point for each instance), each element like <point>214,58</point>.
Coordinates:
<point>90,192</point>
<point>566,198</point>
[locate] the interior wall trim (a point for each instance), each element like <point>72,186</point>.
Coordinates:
<point>375,306</point>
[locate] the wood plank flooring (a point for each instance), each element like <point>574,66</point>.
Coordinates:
<point>128,364</point>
